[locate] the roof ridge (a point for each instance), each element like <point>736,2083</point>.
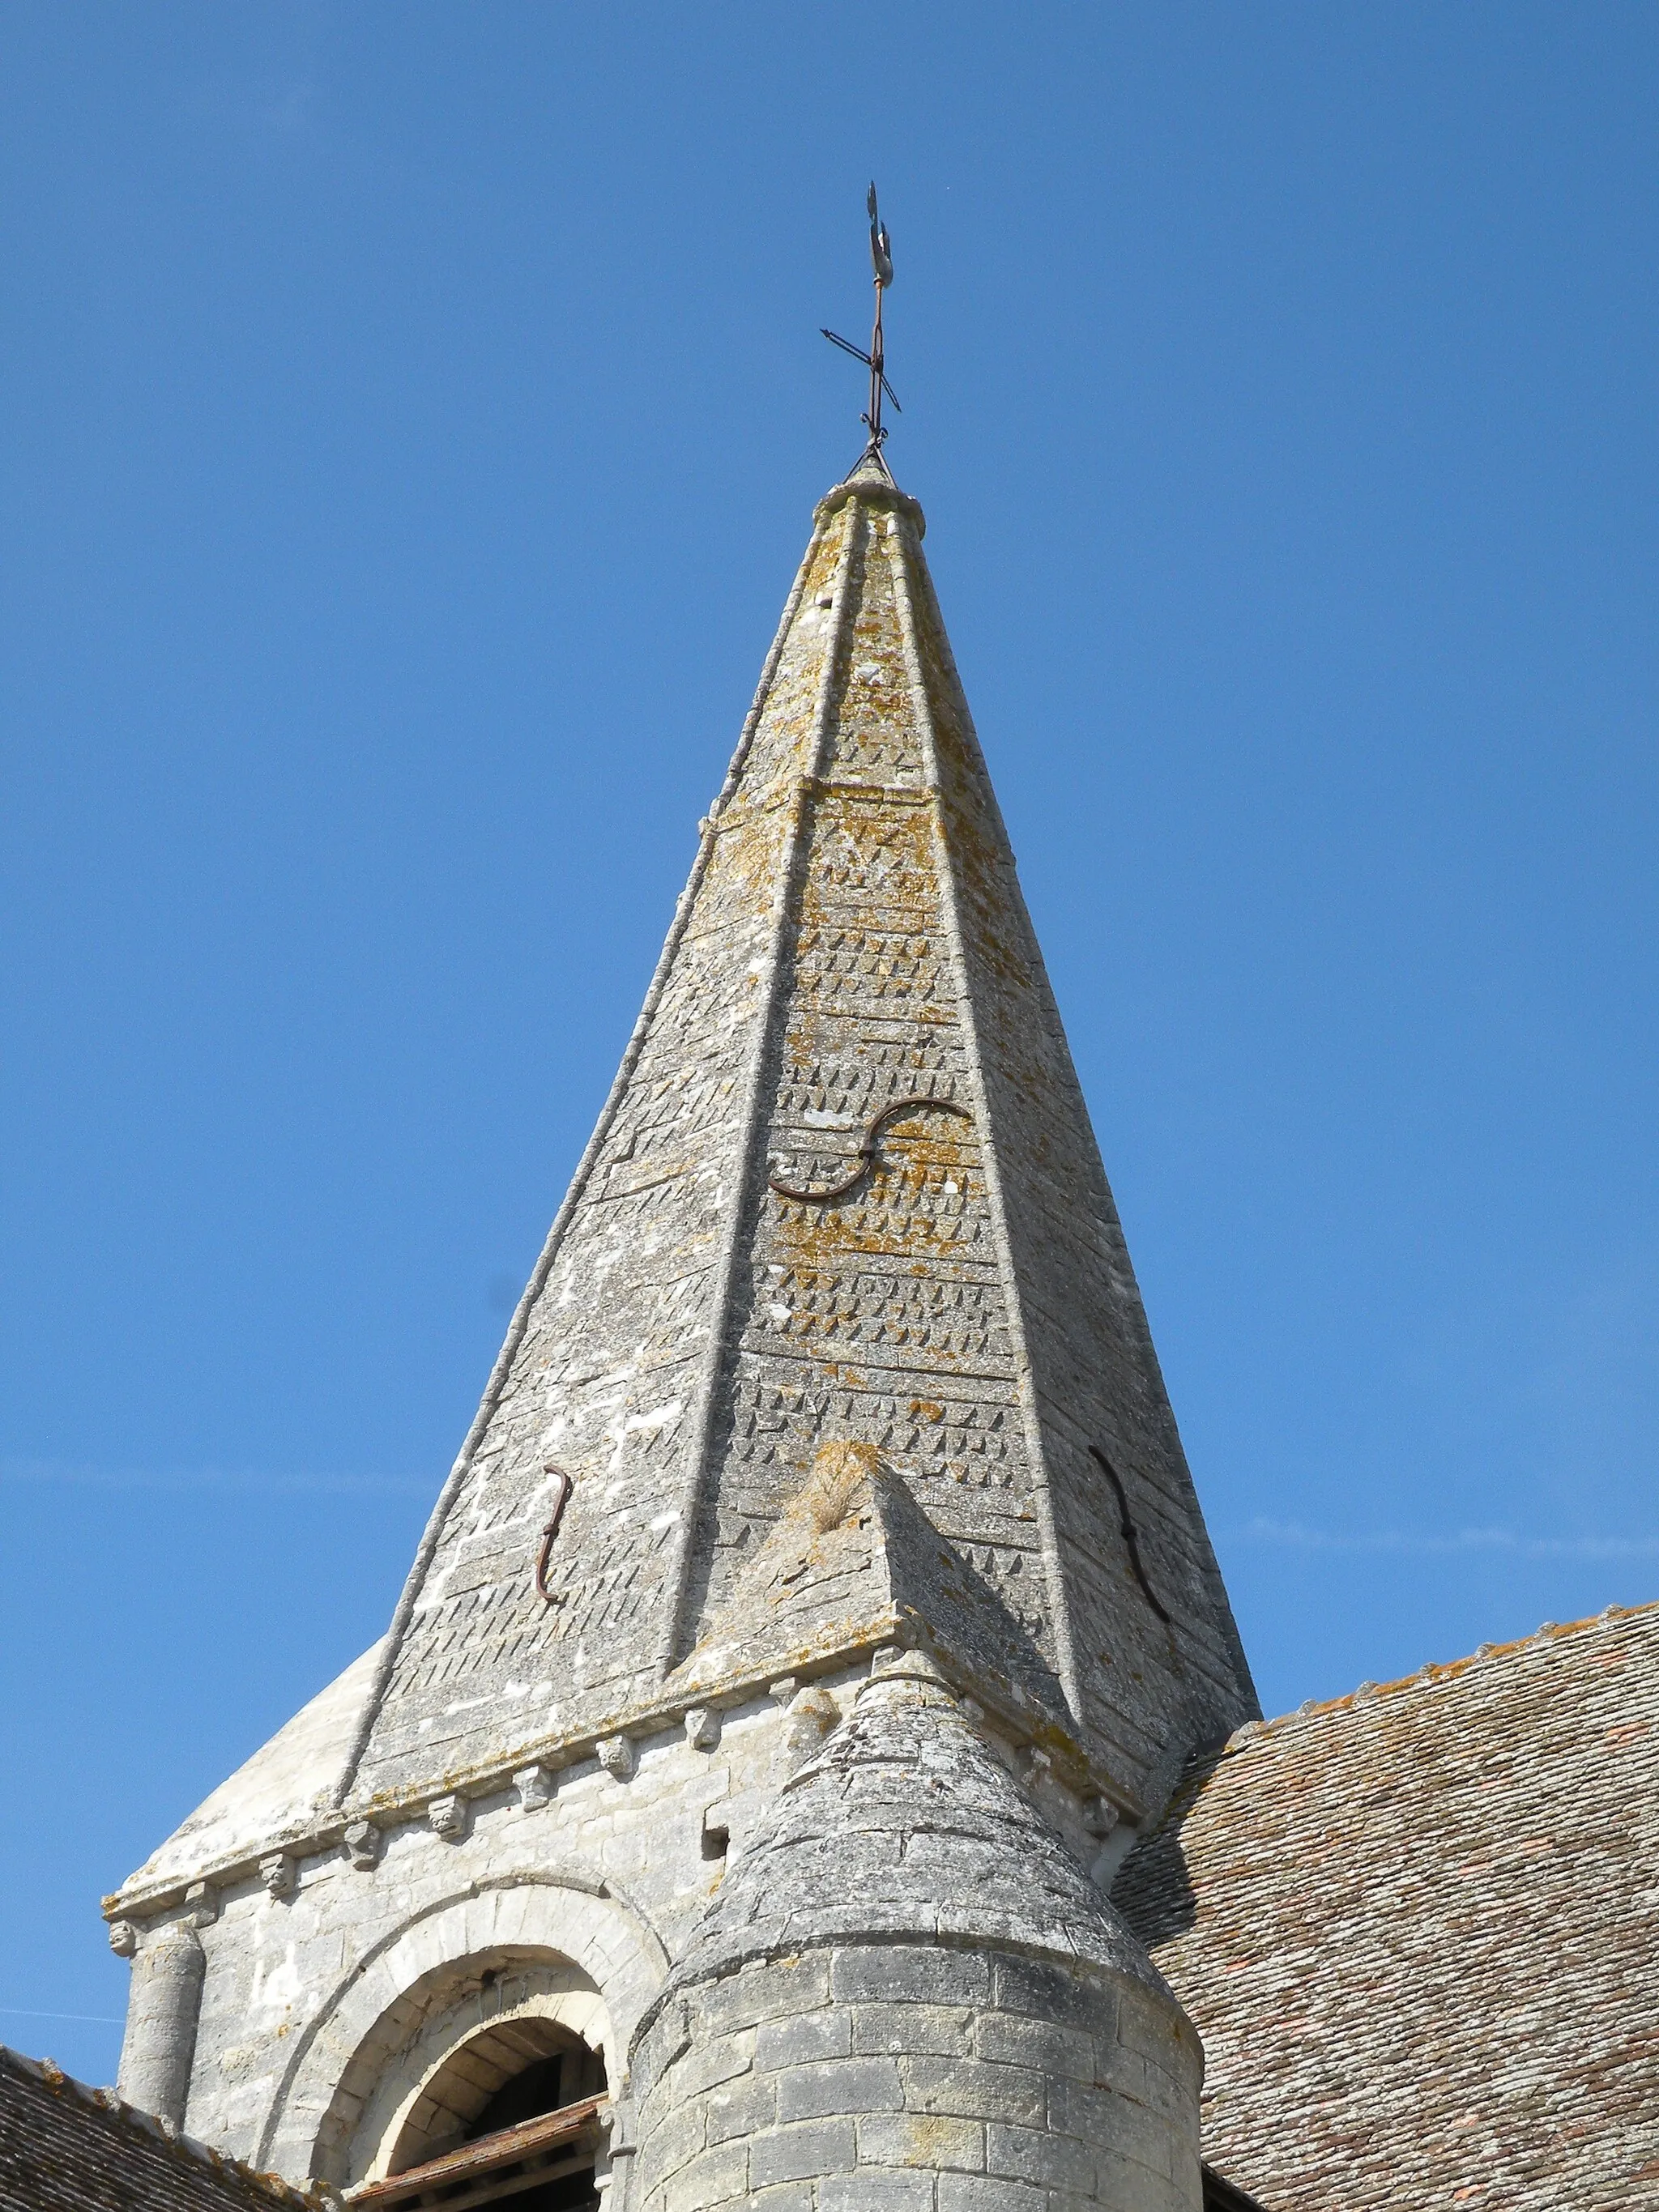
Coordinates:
<point>1438,1670</point>
<point>316,2197</point>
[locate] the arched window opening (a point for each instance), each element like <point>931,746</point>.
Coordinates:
<point>511,2117</point>
<point>568,2074</point>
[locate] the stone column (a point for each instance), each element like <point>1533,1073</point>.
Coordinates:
<point>162,2006</point>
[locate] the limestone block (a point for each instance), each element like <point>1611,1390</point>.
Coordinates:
<point>721,2059</point>
<point>916,1973</point>
<point>1064,2053</point>
<point>736,2109</point>
<point>870,2190</point>
<point>923,2030</point>
<point>967,2192</point>
<point>827,2033</point>
<point>536,1786</point>
<point>970,2090</point>
<point>517,1916</point>
<point>1038,2156</point>
<point>893,2139</point>
<point>807,2150</point>
<point>714,2177</point>
<point>816,2088</point>
<point>702,1728</point>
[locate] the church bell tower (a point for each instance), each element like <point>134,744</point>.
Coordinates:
<point>818,1607</point>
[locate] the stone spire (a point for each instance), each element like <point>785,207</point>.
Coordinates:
<point>844,1190</point>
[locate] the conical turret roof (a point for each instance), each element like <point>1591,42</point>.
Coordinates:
<point>905,1825</point>
<point>844,1186</point>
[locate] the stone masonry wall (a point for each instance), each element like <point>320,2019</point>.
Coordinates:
<point>914,2078</point>
<point>607,1869</point>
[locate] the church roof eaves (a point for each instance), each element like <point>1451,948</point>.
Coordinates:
<point>828,1652</point>
<point>66,2147</point>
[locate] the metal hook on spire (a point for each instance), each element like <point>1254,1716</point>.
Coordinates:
<point>881,258</point>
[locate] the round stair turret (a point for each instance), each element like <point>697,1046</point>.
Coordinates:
<point>909,1992</point>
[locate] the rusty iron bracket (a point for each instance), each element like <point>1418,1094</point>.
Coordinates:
<point>864,1157</point>
<point>1131,1542</point>
<point>562,1499</point>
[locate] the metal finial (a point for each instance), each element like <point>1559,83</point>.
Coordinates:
<point>881,259</point>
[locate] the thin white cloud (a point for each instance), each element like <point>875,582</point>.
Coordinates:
<point>88,2019</point>
<point>1297,1536</point>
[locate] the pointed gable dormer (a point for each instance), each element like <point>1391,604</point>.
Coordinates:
<point>844,1188</point>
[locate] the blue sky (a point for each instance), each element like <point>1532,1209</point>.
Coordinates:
<point>412,418</point>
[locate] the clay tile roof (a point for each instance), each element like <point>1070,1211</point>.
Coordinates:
<point>64,2148</point>
<point>1417,1928</point>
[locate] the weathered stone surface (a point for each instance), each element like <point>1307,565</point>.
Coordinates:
<point>852,938</point>
<point>973,1988</point>
<point>292,1780</point>
<point>907,1822</point>
<point>162,2011</point>
<point>851,1565</point>
<point>878,1607</point>
<point>798,1406</point>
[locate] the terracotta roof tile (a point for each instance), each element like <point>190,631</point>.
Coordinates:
<point>64,2148</point>
<point>1417,1927</point>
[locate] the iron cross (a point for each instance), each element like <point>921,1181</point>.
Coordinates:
<point>881,256</point>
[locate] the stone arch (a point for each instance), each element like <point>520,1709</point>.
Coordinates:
<point>432,2061</point>
<point>547,1921</point>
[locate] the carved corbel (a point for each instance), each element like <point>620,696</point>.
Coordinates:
<point>362,1845</point>
<point>449,1817</point>
<point>702,1728</point>
<point>615,1754</point>
<point>280,1873</point>
<point>536,1786</point>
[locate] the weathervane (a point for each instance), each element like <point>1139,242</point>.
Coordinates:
<point>881,256</point>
